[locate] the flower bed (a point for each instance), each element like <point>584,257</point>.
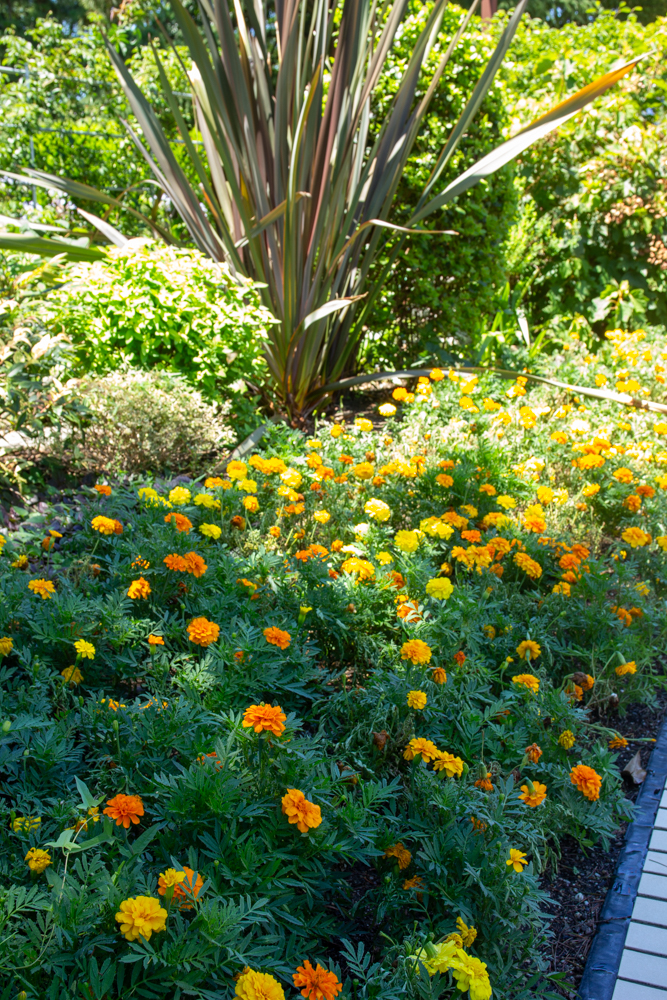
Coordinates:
<point>319,723</point>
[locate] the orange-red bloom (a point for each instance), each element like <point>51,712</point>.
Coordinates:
<point>125,809</point>
<point>277,637</point>
<point>269,718</point>
<point>181,522</point>
<point>203,632</point>
<point>587,781</point>
<point>316,983</point>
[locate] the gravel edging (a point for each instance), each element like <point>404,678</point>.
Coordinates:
<point>604,958</point>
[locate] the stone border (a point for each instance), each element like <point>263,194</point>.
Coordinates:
<point>604,958</point>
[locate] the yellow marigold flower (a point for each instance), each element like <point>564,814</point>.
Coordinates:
<point>72,675</point>
<point>528,650</point>
<point>300,810</point>
<point>141,916</point>
<point>417,700</point>
<point>253,985</point>
<point>587,781</point>
<point>139,589</point>
<point>506,502</point>
<point>276,637</point>
<point>402,855</point>
<point>206,500</point>
<point>363,424</point>
<point>179,495</point>
<point>237,470</point>
<point>516,860</point>
<point>336,431</point>
<point>292,478</point>
<point>545,494</point>
<point>362,568</point>
<point>439,588</point>
<point>560,437</point>
<point>567,739</point>
<point>44,588</point>
<point>26,824</point>
<point>635,537</point>
<point>203,632</point>
<point>590,489</point>
<point>386,558</point>
<point>251,504</point>
<point>321,516</point>
<point>447,762</point>
<point>105,525</point>
<point>265,718</point>
<point>212,483</point>
<point>662,542</point>
<point>406,541</point>
<point>387,410</point>
<point>416,651</point>
<point>185,886</point>
<point>533,793</point>
<point>563,588</point>
<point>623,476</point>
<point>210,530</point>
<point>84,649</point>
<point>38,859</point>
<point>528,681</point>
<point>6,646</point>
<point>627,668</point>
<point>364,470</point>
<point>421,748</point>
<point>528,565</point>
<point>247,486</point>
<point>377,509</point>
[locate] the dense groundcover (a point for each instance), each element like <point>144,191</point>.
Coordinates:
<point>438,605</point>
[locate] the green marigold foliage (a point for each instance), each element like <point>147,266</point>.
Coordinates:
<point>283,581</point>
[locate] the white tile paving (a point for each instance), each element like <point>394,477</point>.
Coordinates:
<point>643,971</point>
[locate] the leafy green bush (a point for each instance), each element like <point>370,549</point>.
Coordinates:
<point>140,421</point>
<point>592,210</point>
<point>160,307</point>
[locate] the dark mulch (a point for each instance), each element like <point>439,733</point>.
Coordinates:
<point>580,881</point>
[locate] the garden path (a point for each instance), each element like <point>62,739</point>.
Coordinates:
<point>643,971</point>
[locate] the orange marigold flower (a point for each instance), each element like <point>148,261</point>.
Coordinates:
<point>265,718</point>
<point>533,753</point>
<point>528,565</point>
<point>125,809</point>
<point>103,489</point>
<point>140,588</point>
<point>105,525</point>
<point>44,588</point>
<point>416,651</point>
<point>181,522</point>
<point>533,794</point>
<point>277,637</point>
<point>439,676</point>
<point>155,640</point>
<point>316,983</point>
<point>618,742</point>
<point>300,810</point>
<point>176,563</point>
<point>402,855</point>
<point>528,681</point>
<point>185,887</point>
<point>421,747</point>
<point>460,657</point>
<point>485,783</point>
<point>587,781</point>
<point>203,632</point>
<point>416,882</point>
<point>117,527</point>
<point>194,564</point>
<point>238,522</point>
